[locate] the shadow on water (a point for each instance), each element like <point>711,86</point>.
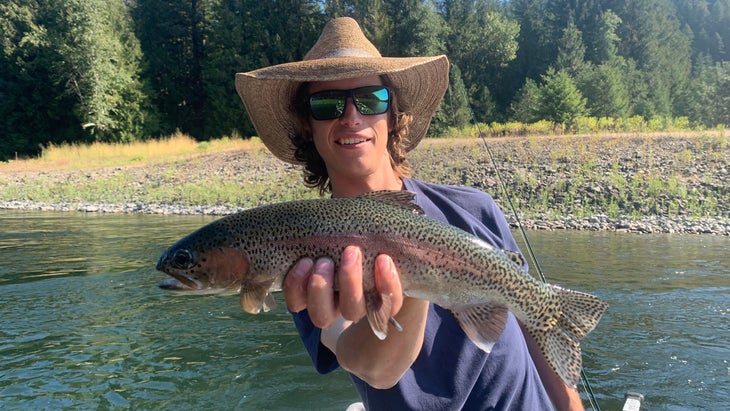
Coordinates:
<point>84,325</point>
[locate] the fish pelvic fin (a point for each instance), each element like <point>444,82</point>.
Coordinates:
<point>377,309</point>
<point>482,323</point>
<point>255,296</point>
<point>559,337</point>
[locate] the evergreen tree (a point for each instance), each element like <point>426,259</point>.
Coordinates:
<point>454,110</point>
<point>607,40</point>
<point>709,97</point>
<point>244,35</point>
<point>651,36</point>
<point>605,90</point>
<point>571,50</point>
<point>70,73</point>
<point>709,23</point>
<point>34,109</point>
<point>170,38</point>
<point>100,67</point>
<point>526,106</point>
<point>481,41</point>
<point>560,101</point>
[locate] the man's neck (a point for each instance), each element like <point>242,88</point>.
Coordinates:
<point>354,187</point>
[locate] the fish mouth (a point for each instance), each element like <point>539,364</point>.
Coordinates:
<point>180,281</point>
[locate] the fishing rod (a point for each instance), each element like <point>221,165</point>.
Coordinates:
<point>503,186</point>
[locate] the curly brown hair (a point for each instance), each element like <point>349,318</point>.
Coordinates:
<point>315,170</point>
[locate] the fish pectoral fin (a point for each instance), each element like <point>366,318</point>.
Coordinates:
<point>255,296</point>
<point>482,323</point>
<point>559,338</point>
<point>377,309</point>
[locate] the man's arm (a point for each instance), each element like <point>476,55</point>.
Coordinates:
<point>563,396</point>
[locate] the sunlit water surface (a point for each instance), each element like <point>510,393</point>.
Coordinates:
<point>84,326</point>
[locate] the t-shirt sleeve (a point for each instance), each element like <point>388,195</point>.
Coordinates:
<point>323,359</point>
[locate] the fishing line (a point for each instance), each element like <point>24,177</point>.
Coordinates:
<point>503,186</point>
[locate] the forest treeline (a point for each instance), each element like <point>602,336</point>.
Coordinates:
<point>123,70</point>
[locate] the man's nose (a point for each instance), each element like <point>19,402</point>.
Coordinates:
<point>350,112</point>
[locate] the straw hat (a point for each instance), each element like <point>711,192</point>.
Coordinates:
<point>341,52</point>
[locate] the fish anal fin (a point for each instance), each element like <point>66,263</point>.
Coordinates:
<point>482,323</point>
<point>377,308</point>
<point>255,296</point>
<point>398,198</point>
<point>559,338</point>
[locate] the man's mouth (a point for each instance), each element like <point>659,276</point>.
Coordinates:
<point>351,141</point>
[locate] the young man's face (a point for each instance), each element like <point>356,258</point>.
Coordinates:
<point>353,146</point>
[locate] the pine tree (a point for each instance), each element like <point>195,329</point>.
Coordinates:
<point>605,90</point>
<point>526,106</point>
<point>560,100</point>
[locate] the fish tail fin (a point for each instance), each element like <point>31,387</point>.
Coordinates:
<point>559,337</point>
<point>377,308</point>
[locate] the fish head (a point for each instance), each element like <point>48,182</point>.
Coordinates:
<point>207,261</point>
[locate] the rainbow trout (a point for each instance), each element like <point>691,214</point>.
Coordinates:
<point>250,252</point>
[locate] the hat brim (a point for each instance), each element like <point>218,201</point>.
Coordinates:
<point>419,84</point>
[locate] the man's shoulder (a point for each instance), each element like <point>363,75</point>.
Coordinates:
<point>454,192</point>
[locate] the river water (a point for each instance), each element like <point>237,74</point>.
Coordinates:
<point>84,326</point>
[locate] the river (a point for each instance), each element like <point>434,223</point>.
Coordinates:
<point>84,326</point>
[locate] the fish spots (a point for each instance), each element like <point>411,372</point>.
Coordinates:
<point>254,249</point>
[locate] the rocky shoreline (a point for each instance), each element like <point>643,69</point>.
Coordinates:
<point>647,225</point>
<point>635,184</point>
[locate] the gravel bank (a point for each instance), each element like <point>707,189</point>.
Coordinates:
<point>657,184</point>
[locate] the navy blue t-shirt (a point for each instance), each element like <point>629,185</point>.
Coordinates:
<point>450,372</point>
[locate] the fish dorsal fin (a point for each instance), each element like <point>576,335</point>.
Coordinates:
<point>515,256</point>
<point>398,198</point>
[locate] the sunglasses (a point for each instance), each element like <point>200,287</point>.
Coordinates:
<point>330,104</point>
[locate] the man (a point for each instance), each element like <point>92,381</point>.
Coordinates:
<point>349,116</point>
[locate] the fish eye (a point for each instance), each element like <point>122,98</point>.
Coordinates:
<point>182,259</point>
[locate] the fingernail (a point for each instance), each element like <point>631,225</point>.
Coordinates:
<point>323,264</point>
<point>350,256</point>
<point>385,265</point>
<point>303,267</point>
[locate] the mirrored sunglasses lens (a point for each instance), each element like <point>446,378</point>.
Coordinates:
<point>327,105</point>
<point>371,100</point>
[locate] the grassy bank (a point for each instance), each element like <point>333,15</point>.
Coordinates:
<point>548,177</point>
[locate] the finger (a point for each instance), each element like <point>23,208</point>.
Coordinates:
<point>295,285</point>
<point>320,293</point>
<point>351,301</point>
<point>387,282</point>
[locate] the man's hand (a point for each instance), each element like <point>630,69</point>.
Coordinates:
<point>310,285</point>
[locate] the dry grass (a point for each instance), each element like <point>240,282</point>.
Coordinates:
<point>96,155</point>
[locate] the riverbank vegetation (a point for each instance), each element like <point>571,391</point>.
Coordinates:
<point>677,175</point>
